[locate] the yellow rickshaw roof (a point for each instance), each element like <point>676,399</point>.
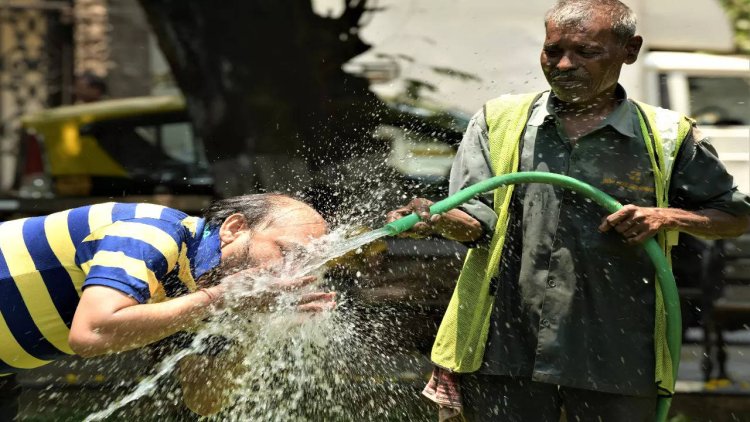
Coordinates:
<point>107,109</point>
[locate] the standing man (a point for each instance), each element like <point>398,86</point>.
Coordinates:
<point>556,307</point>
<point>113,277</point>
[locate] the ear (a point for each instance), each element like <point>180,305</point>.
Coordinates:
<point>231,228</point>
<point>632,48</point>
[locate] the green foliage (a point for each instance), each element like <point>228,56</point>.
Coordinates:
<point>739,13</point>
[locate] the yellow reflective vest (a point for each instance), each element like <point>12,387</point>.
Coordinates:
<point>462,336</point>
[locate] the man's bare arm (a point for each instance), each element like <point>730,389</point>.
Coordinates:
<point>637,224</point>
<point>108,320</point>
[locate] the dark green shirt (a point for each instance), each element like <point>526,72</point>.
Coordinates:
<point>574,306</point>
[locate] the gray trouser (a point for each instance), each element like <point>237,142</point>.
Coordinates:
<point>9,394</point>
<point>498,398</point>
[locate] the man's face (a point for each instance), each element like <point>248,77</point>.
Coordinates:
<point>266,247</point>
<point>583,61</point>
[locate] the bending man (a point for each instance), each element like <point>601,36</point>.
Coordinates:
<point>113,277</point>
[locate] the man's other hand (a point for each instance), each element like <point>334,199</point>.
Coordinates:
<point>263,299</point>
<point>635,224</point>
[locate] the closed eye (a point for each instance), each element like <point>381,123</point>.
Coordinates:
<point>589,53</point>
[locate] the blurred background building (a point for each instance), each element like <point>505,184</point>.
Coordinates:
<point>44,44</point>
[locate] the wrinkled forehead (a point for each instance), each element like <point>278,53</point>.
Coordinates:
<point>595,29</point>
<point>297,220</point>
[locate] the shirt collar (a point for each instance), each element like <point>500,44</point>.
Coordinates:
<point>542,110</point>
<point>204,250</point>
<point>620,119</point>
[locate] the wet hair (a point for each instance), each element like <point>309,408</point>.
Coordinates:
<point>93,80</point>
<point>257,208</point>
<point>576,12</point>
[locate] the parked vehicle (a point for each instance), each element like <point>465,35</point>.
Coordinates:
<point>135,149</point>
<point>715,91</point>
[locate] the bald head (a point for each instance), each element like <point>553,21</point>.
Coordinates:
<point>288,211</point>
<point>260,210</point>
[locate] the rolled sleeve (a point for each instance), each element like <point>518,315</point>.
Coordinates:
<point>472,165</point>
<point>137,291</point>
<point>701,181</point>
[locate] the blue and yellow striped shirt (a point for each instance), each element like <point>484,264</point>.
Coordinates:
<point>146,251</point>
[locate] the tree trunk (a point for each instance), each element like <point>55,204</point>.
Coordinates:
<point>264,78</point>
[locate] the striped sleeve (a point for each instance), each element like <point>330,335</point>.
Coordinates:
<point>132,256</point>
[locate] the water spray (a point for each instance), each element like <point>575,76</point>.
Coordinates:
<point>663,270</point>
<point>302,365</point>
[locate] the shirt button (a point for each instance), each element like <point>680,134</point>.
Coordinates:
<point>545,323</point>
<point>551,283</point>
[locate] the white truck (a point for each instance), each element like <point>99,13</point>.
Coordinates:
<point>714,90</point>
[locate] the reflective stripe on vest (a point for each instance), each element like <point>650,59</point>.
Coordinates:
<point>459,344</point>
<point>668,129</point>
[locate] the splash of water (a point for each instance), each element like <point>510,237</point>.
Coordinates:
<point>148,385</point>
<point>354,243</point>
<point>330,366</point>
<point>306,262</point>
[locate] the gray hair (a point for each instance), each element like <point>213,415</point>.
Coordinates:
<point>576,12</point>
<point>257,208</point>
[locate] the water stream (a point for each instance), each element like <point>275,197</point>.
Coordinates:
<point>293,366</point>
<point>148,385</point>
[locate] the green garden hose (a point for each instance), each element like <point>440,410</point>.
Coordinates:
<point>663,270</point>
